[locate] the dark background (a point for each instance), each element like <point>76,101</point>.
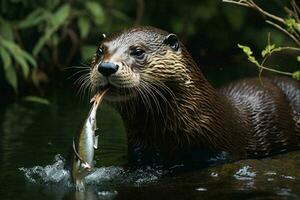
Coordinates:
<point>67,33</point>
<point>42,44</point>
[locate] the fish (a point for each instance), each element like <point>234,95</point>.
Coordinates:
<point>84,145</point>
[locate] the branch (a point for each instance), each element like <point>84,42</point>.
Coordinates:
<point>139,11</point>
<point>290,48</point>
<point>284,30</point>
<point>74,48</point>
<point>276,71</point>
<point>240,3</point>
<point>252,4</point>
<point>295,7</point>
<point>267,13</point>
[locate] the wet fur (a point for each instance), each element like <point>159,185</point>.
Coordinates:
<point>168,105</point>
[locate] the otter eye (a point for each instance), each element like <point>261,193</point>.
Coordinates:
<point>99,51</point>
<point>138,53</point>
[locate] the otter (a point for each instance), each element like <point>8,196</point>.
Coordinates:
<point>169,107</point>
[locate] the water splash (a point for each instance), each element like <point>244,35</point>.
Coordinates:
<point>244,173</point>
<point>50,174</point>
<point>57,173</point>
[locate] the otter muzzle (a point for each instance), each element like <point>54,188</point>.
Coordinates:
<point>108,68</point>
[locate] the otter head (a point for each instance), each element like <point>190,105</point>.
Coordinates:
<point>150,74</point>
<point>137,59</point>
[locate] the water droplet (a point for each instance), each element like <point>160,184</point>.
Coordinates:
<point>244,173</point>
<point>288,177</point>
<point>214,174</point>
<point>201,189</point>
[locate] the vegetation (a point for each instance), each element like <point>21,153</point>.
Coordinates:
<point>39,39</point>
<point>46,36</point>
<point>289,24</point>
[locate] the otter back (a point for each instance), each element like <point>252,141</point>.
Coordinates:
<point>270,110</point>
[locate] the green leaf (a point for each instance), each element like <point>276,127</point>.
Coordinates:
<point>96,11</point>
<point>36,99</point>
<point>292,25</point>
<point>253,60</point>
<point>297,27</point>
<point>23,64</point>
<point>268,50</point>
<point>52,4</point>
<point>120,15</point>
<point>84,26</point>
<point>88,51</point>
<point>29,58</point>
<point>61,15</point>
<point>6,29</point>
<point>246,49</point>
<point>20,56</point>
<point>11,77</point>
<point>6,59</point>
<point>58,19</point>
<point>55,40</point>
<point>10,72</point>
<point>34,18</point>
<point>296,75</point>
<point>42,41</point>
<point>298,58</point>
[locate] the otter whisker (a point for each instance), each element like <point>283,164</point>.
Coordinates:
<point>90,90</point>
<point>151,95</point>
<point>156,102</point>
<point>127,107</point>
<point>152,88</point>
<point>156,85</point>
<point>85,64</point>
<point>165,88</point>
<point>143,91</point>
<point>80,81</point>
<point>78,72</point>
<point>76,67</point>
<point>146,103</point>
<point>161,85</point>
<point>168,105</point>
<point>83,81</point>
<point>81,77</point>
<point>82,89</point>
<point>143,98</point>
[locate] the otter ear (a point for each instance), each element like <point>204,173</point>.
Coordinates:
<point>172,41</point>
<point>102,37</point>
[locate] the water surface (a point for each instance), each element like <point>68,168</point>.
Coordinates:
<point>34,139</point>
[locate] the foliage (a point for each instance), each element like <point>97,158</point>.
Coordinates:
<point>52,35</point>
<point>290,25</point>
<point>12,53</point>
<point>36,99</point>
<point>48,35</point>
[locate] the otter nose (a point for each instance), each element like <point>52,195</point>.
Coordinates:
<point>108,68</point>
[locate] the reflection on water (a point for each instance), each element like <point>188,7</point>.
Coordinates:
<point>90,194</point>
<point>32,136</point>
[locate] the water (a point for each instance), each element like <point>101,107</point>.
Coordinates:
<point>34,139</point>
